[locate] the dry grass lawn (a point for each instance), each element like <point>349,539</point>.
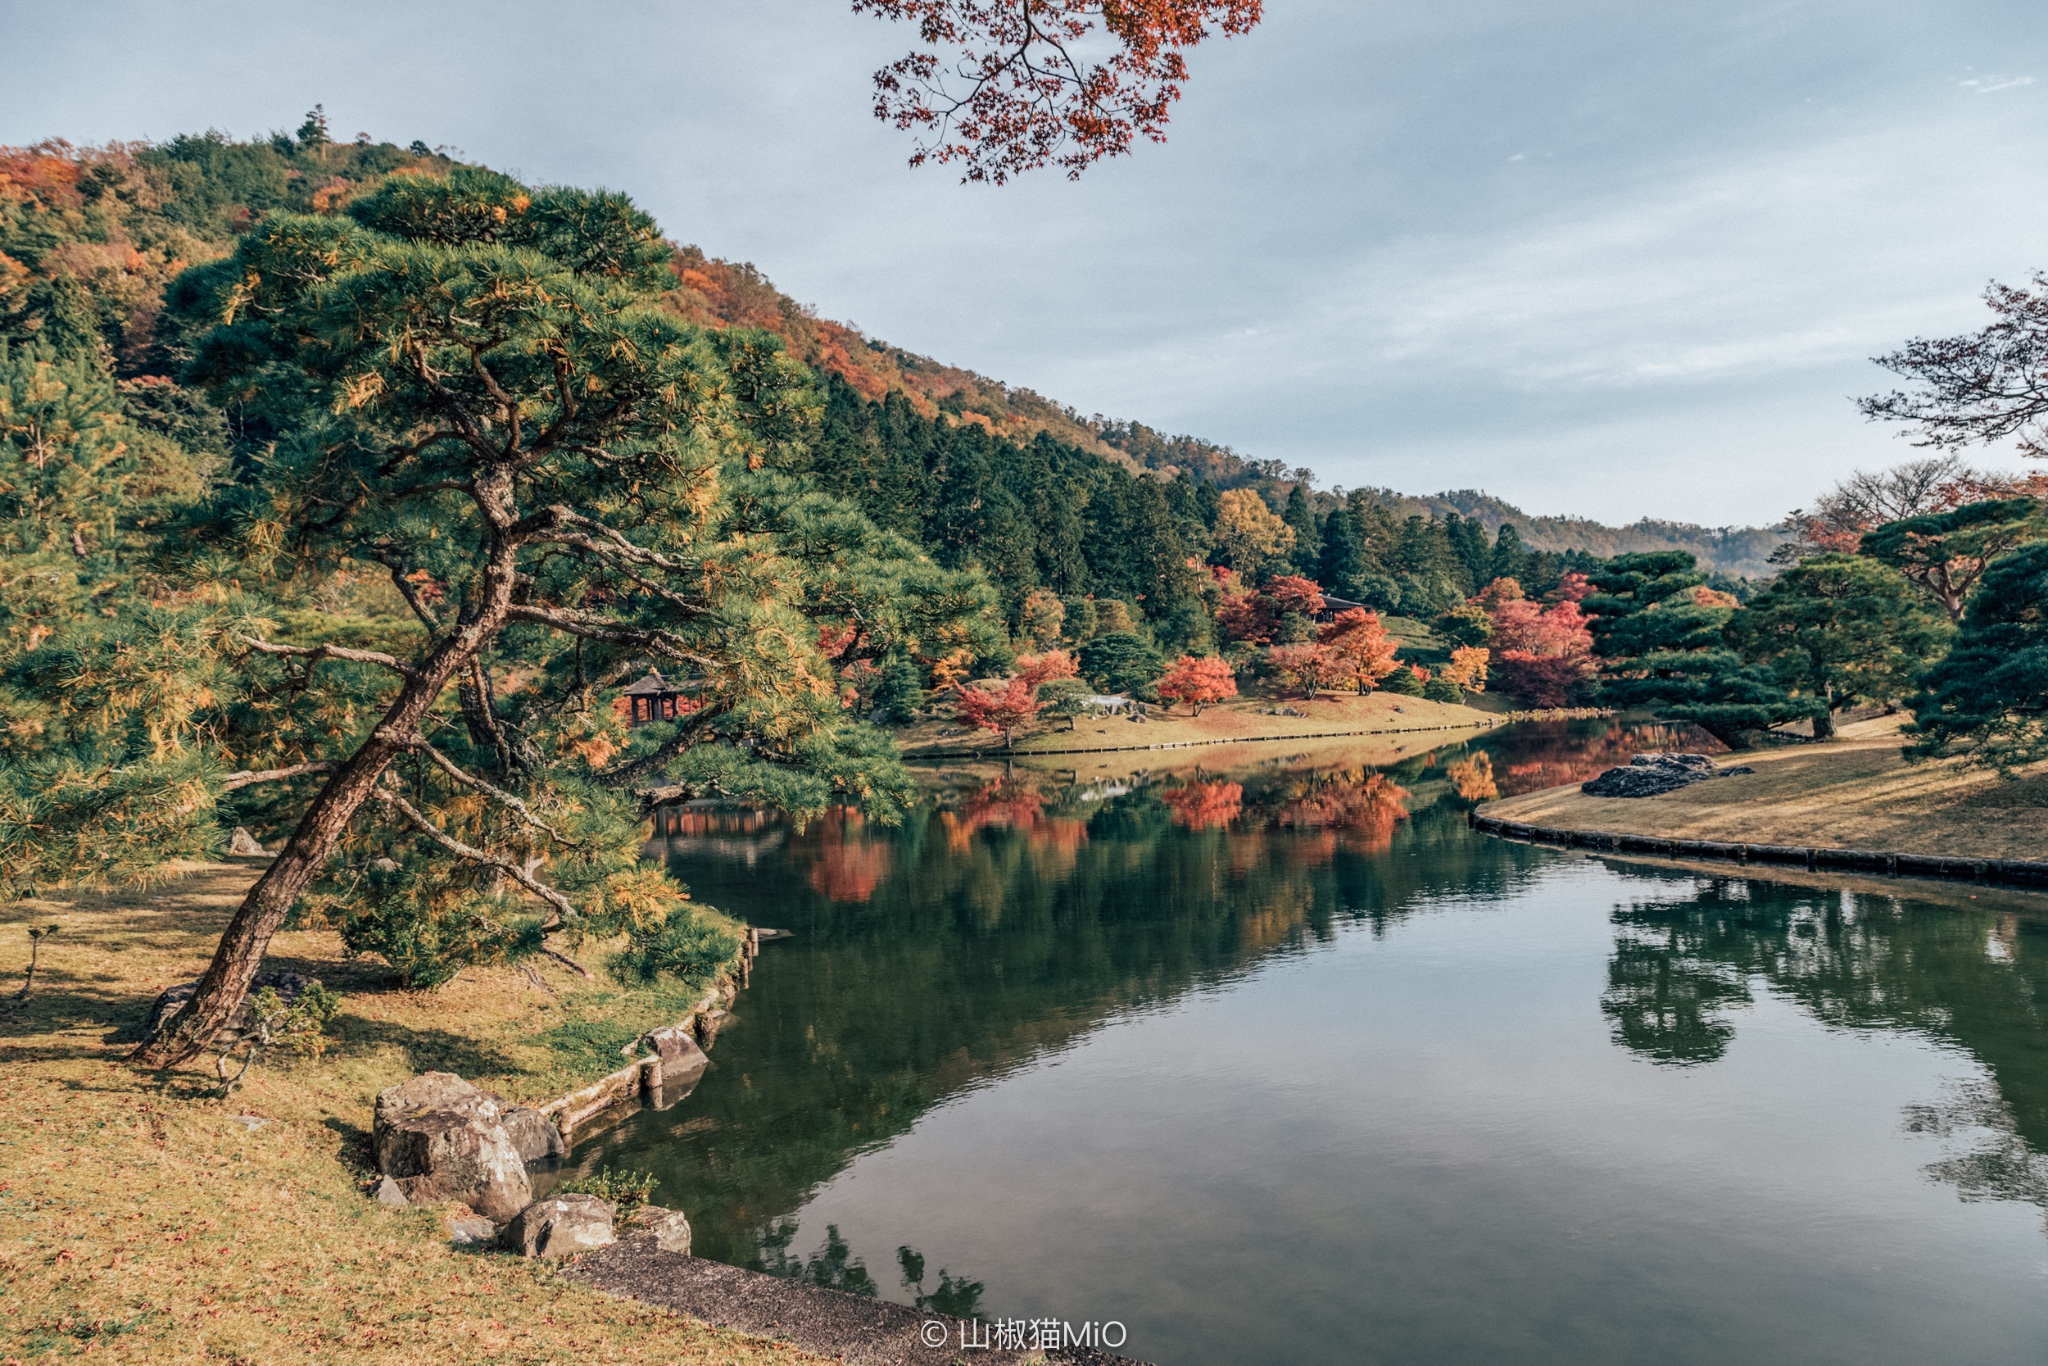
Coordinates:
<point>1856,792</point>
<point>143,1218</point>
<point>1240,719</point>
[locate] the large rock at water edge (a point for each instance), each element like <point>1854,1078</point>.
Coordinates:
<point>561,1226</point>
<point>668,1228</point>
<point>1648,775</point>
<point>442,1138</point>
<point>682,1060</point>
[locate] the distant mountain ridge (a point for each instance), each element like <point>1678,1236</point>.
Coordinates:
<point>1741,551</point>
<point>724,293</point>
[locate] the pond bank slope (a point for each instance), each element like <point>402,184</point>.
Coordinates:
<point>1856,792</point>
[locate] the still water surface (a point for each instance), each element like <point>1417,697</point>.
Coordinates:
<point>1287,1064</point>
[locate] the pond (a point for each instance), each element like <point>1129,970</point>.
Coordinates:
<point>1275,1059</point>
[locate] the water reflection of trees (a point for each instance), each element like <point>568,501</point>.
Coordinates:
<point>1972,979</point>
<point>1014,913</point>
<point>1013,918</point>
<point>1560,755</point>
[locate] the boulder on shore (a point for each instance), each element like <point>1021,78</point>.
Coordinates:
<point>1648,775</point>
<point>441,1138</point>
<point>668,1228</point>
<point>682,1060</point>
<point>560,1226</point>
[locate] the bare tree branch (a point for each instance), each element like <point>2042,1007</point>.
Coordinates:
<point>250,777</point>
<point>562,905</point>
<point>317,653</point>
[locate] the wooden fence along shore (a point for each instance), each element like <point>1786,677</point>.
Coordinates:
<point>2007,872</point>
<point>641,1076</point>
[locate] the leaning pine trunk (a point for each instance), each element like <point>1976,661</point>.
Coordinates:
<point>247,938</point>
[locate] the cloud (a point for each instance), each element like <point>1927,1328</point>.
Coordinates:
<point>1986,85</point>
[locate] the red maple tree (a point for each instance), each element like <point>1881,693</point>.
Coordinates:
<point>1044,668</point>
<point>1310,667</point>
<point>1003,711</point>
<point>1005,86</point>
<point>1359,642</point>
<point>1543,655</point>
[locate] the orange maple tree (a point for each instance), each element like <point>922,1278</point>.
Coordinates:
<point>1197,682</point>
<point>1467,668</point>
<point>1359,642</point>
<point>1005,86</point>
<point>1044,668</point>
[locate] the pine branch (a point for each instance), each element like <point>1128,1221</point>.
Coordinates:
<point>563,906</point>
<point>317,653</point>
<point>591,626</point>
<point>250,777</point>
<point>467,779</point>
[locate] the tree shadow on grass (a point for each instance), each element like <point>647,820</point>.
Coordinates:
<point>425,1050</point>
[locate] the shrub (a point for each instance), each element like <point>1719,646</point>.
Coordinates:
<point>624,1189</point>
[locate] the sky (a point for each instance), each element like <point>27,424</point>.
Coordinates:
<point>1599,258</point>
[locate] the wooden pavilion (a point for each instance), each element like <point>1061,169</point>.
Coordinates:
<point>653,698</point>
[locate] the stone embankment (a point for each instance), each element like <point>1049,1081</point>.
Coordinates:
<point>440,1140</point>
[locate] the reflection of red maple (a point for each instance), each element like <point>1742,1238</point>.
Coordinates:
<point>1366,807</point>
<point>1569,758</point>
<point>1003,805</point>
<point>850,872</point>
<point>1199,806</point>
<point>847,864</point>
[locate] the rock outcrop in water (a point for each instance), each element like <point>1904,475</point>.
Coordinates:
<point>1648,775</point>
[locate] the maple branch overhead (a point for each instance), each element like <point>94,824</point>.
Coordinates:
<point>1021,111</point>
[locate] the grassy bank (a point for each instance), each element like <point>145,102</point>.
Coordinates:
<point>143,1218</point>
<point>1857,791</point>
<point>1245,719</point>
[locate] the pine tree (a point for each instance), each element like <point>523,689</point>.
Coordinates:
<point>1988,698</point>
<point>1663,651</point>
<point>1300,515</point>
<point>1840,629</point>
<point>1510,559</point>
<point>1342,568</point>
<point>462,387</point>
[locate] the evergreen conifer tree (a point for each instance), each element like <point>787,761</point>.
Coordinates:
<point>1839,629</point>
<point>1663,651</point>
<point>463,389</point>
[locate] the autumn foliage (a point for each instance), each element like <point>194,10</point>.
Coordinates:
<point>1543,655</point>
<point>1467,668</point>
<point>1198,682</point>
<point>1360,646</point>
<point>1044,668</point>
<point>1001,86</point>
<point>1310,668</point>
<point>1003,710</point>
